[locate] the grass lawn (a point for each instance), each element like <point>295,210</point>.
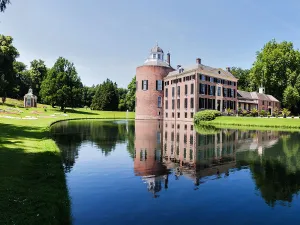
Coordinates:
<point>255,122</point>
<point>32,182</point>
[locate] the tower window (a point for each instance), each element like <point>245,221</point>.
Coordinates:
<point>159,85</point>
<point>159,102</point>
<point>158,56</point>
<point>154,56</point>
<point>145,85</point>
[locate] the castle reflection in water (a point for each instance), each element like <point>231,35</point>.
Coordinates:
<point>162,147</point>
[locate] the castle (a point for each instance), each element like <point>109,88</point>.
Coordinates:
<point>165,93</point>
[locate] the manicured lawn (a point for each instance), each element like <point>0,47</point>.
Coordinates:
<point>32,182</point>
<point>255,122</point>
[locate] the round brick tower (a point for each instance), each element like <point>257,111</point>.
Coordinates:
<point>149,85</point>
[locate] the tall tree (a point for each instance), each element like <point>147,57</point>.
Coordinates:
<point>87,95</point>
<point>22,80</point>
<point>244,78</point>
<point>62,85</point>
<point>122,92</point>
<point>275,65</point>
<point>106,97</point>
<point>38,72</point>
<point>291,98</point>
<point>8,55</point>
<point>3,4</point>
<point>130,97</point>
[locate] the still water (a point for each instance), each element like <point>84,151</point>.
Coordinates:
<point>151,172</point>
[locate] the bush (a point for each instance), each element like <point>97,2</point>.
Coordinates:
<point>206,115</point>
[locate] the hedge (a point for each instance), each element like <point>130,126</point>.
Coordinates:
<point>206,115</point>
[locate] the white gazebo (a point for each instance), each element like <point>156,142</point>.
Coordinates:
<point>30,100</point>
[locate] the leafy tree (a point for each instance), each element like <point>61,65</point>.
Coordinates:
<point>3,4</point>
<point>106,97</point>
<point>87,95</point>
<point>243,76</point>
<point>122,92</point>
<point>8,55</point>
<point>38,72</point>
<point>291,97</point>
<point>276,64</point>
<point>62,85</point>
<point>130,97</point>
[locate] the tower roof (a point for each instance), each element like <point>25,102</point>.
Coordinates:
<point>156,48</point>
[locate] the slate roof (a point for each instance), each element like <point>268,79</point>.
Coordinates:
<point>206,70</point>
<point>255,96</point>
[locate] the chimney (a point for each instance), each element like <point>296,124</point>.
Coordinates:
<point>169,58</point>
<point>228,69</point>
<point>198,61</point>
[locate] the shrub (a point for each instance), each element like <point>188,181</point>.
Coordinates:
<point>263,113</point>
<point>245,112</point>
<point>206,115</point>
<point>254,112</point>
<point>285,112</point>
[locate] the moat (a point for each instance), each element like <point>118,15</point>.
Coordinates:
<point>142,172</point>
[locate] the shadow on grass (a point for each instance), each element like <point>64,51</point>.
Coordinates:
<point>32,185</point>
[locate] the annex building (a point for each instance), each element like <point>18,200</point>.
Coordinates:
<point>163,92</point>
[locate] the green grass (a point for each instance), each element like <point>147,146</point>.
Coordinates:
<point>255,122</point>
<point>32,182</point>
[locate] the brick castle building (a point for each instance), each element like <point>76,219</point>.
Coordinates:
<point>163,92</point>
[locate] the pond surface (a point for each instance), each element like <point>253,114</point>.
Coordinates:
<point>150,172</point>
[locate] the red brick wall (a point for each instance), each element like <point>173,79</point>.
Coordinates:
<point>146,101</point>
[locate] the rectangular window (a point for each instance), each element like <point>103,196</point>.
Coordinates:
<point>173,103</point>
<point>178,91</point>
<point>263,102</point>
<point>185,139</point>
<point>211,90</point>
<point>202,89</point>
<point>192,89</point>
<point>185,89</point>
<point>192,103</point>
<point>178,126</point>
<point>178,115</point>
<point>185,103</point>
<point>159,102</point>
<point>178,103</point>
<point>158,56</point>
<point>225,92</point>
<point>177,137</point>
<point>219,91</point>
<point>166,92</point>
<point>185,126</point>
<point>159,85</point>
<point>191,139</point>
<point>192,115</point>
<point>232,93</point>
<point>211,79</point>
<point>154,56</point>
<point>173,91</point>
<point>201,103</point>
<point>185,115</point>
<point>166,104</point>
<point>145,85</point>
<point>166,115</point>
<point>202,77</point>
<point>172,115</point>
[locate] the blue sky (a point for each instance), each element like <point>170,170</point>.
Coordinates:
<point>109,39</point>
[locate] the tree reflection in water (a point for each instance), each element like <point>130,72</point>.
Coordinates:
<point>198,153</point>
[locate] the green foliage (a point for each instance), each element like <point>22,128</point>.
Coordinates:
<point>122,93</point>
<point>228,111</point>
<point>276,67</point>
<point>38,72</point>
<point>254,112</point>
<point>130,96</point>
<point>106,97</point>
<point>87,95</point>
<point>285,112</point>
<point>243,76</point>
<point>263,113</point>
<point>62,86</point>
<point>3,5</point>
<point>291,97</point>
<point>206,115</point>
<point>8,55</point>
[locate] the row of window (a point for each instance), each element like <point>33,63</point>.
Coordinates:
<point>158,87</point>
<point>204,89</point>
<point>206,103</point>
<point>178,103</point>
<point>177,152</point>
<point>203,78</point>
<point>178,126</point>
